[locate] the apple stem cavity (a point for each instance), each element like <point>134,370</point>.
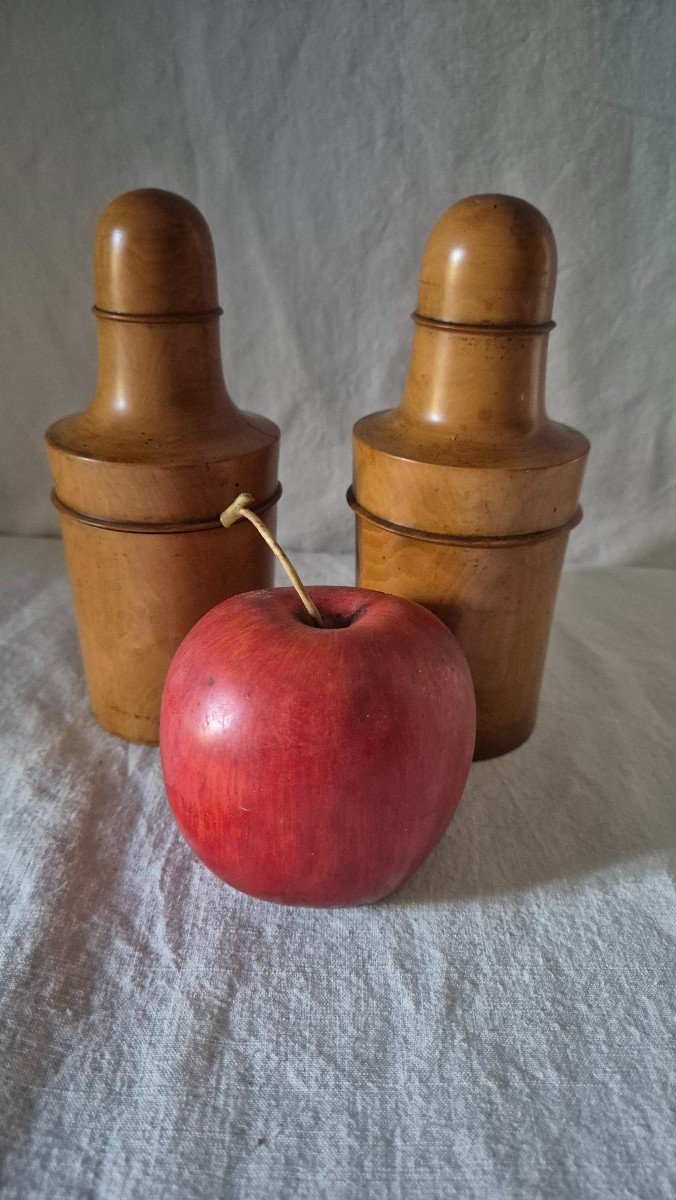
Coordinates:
<point>240,508</point>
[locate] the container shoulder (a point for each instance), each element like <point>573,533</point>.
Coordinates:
<point>546,444</point>
<point>232,435</point>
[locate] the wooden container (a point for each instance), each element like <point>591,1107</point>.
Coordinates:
<point>141,476</point>
<point>466,493</point>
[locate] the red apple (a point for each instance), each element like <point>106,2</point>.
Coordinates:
<point>316,766</point>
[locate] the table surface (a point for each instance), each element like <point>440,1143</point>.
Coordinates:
<point>503,1026</point>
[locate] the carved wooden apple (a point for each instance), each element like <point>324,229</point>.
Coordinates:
<point>316,765</point>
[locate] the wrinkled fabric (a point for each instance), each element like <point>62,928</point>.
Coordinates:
<point>322,141</point>
<point>502,1026</point>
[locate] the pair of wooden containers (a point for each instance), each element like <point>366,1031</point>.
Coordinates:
<point>464,495</point>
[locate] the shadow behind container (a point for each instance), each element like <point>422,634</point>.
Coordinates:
<point>141,476</point>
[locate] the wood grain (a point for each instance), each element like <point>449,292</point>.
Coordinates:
<point>465,494</point>
<point>156,456</point>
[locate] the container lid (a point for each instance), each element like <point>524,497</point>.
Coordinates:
<point>489,260</point>
<point>153,254</point>
<point>161,441</point>
<point>470,451</point>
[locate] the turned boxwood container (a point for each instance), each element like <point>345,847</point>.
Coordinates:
<point>466,493</point>
<point>141,475</point>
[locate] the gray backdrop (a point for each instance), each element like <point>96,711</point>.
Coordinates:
<point>322,140</point>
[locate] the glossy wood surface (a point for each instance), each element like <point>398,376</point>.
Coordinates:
<point>156,456</point>
<point>497,600</point>
<point>137,595</point>
<point>465,494</point>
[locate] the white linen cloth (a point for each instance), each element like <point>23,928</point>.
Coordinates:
<point>503,1026</point>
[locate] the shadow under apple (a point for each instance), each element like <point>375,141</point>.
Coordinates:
<point>576,798</point>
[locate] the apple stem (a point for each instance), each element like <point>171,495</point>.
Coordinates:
<point>239,508</point>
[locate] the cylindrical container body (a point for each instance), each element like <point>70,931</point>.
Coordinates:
<point>497,601</point>
<point>136,595</point>
<point>465,494</point>
<point>141,475</point>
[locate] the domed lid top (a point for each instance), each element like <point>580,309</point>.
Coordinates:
<point>489,260</point>
<point>153,255</point>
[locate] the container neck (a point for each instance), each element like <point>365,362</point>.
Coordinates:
<point>481,386</point>
<point>159,373</point>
